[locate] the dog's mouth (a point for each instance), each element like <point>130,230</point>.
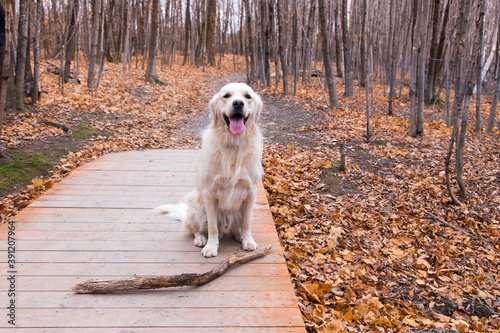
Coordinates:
<point>236,123</point>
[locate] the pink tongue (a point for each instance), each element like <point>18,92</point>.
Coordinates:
<point>236,126</point>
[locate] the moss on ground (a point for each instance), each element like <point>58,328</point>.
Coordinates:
<point>21,169</point>
<point>85,131</point>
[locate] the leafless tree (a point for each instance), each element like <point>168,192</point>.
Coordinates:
<point>347,43</point>
<point>96,17</point>
<point>330,78</point>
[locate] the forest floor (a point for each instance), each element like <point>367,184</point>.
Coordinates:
<point>368,249</point>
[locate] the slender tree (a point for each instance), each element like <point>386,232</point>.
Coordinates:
<point>330,78</point>
<point>282,12</point>
<point>70,41</point>
<point>422,57</point>
<point>96,17</point>
<point>459,117</point>
<point>5,66</point>
<point>187,31</point>
<point>364,61</point>
<point>479,64</point>
<point>496,93</point>
<point>265,41</point>
<point>347,43</point>
<point>211,14</point>
<point>16,94</point>
<point>127,48</point>
<point>393,55</point>
<point>36,51</point>
<point>250,41</point>
<point>153,44</point>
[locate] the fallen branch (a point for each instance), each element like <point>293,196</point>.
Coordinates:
<point>169,281</point>
<point>460,230</point>
<point>56,125</point>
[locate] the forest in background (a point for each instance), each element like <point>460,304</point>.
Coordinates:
<point>433,47</point>
<point>377,254</point>
<point>440,50</point>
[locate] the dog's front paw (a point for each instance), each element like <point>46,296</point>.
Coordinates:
<point>200,240</point>
<point>249,245</point>
<point>210,250</point>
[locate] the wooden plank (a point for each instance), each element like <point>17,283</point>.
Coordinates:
<point>177,155</point>
<point>184,245</point>
<point>100,215</point>
<point>50,225</point>
<point>157,317</point>
<point>123,257</point>
<point>136,235</point>
<point>179,298</point>
<point>64,283</point>
<point>154,269</point>
<point>99,223</point>
<point>141,166</point>
<point>178,329</point>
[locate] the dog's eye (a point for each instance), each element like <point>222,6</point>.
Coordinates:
<point>247,96</point>
<point>226,96</point>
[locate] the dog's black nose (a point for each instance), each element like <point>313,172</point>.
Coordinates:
<point>238,104</point>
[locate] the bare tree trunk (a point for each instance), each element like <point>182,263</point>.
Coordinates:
<point>308,36</point>
<point>200,53</point>
<point>250,46</point>
<point>330,77</point>
<point>430,89</point>
<point>22,44</point>
<point>348,67</point>
<point>70,41</point>
<point>295,46</point>
<point>338,40</point>
<point>127,48</point>
<point>96,17</point>
<point>273,41</point>
<point>449,79</point>
<point>392,59</point>
<point>187,29</point>
<point>458,108</point>
<point>390,37</point>
<point>36,52</point>
<point>211,12</point>
<point>479,68</point>
<point>496,93</point>
<point>151,76</point>
<point>4,49</point>
<point>413,68</point>
<point>364,62</point>
<point>283,49</point>
<point>265,36</point>
<point>422,57</point>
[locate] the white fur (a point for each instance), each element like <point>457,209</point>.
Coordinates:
<point>228,174</point>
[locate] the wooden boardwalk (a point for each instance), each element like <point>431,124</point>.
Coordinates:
<point>98,223</point>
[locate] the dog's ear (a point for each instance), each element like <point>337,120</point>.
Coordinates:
<point>258,106</point>
<point>212,106</point>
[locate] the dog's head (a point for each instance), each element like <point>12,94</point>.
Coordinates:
<point>235,106</point>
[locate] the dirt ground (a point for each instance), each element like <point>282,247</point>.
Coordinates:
<point>284,122</point>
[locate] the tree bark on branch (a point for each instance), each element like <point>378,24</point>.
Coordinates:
<point>156,282</point>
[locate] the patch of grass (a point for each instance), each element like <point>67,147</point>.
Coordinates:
<point>332,181</point>
<point>21,170</point>
<point>85,131</point>
<point>437,102</point>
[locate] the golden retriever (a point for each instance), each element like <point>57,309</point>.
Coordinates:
<point>228,173</point>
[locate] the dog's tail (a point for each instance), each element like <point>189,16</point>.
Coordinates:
<point>177,212</point>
